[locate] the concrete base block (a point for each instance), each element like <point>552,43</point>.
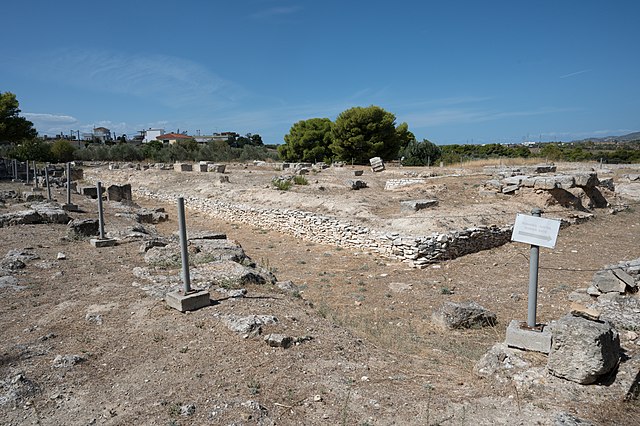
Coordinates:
<point>70,207</point>
<point>102,242</point>
<point>521,337</point>
<point>196,299</point>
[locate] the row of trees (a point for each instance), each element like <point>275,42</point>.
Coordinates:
<point>61,151</point>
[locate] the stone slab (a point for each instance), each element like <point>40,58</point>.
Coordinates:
<point>188,302</point>
<point>70,207</point>
<point>104,242</point>
<point>530,340</point>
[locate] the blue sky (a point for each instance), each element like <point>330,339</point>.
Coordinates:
<point>455,71</point>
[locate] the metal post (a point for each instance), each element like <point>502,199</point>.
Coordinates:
<point>533,278</point>
<point>183,246</point>
<point>15,170</point>
<point>27,167</point>
<point>69,183</point>
<point>35,174</point>
<point>100,211</point>
<point>46,181</point>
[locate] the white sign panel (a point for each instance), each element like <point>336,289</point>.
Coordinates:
<point>535,230</point>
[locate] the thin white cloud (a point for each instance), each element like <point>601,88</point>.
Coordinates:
<point>168,80</point>
<point>465,116</point>
<point>49,118</point>
<point>572,74</point>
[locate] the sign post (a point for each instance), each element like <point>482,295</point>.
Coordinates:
<point>538,232</point>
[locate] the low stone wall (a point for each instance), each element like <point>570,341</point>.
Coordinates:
<point>416,251</point>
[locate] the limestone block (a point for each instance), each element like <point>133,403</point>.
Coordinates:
<point>463,315</point>
<point>586,179</point>
<point>182,167</point>
<point>119,192</point>
<point>415,205</point>
<point>83,228</point>
<point>583,350</point>
<point>607,282</point>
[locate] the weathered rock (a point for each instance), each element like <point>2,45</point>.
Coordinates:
<point>80,228</point>
<point>149,244</point>
<point>579,310</point>
<point>207,235</point>
<point>50,212</point>
<point>288,286</point>
<point>582,351</point>
<point>64,361</point>
<point>247,324</point>
<point>23,217</point>
<point>182,167</point>
<point>607,282</point>
<point>625,278</point>
<point>510,189</point>
<point>151,215</point>
<point>227,274</point>
<point>209,250</point>
<point>416,205</point>
<point>9,282</point>
<point>278,340</point>
<point>566,419</point>
<point>119,192</point>
<point>463,315</point>
<point>622,312</point>
<point>500,362</point>
<point>356,184</point>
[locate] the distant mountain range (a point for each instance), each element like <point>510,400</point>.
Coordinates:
<point>624,138</point>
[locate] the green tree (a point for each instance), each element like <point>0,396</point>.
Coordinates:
<point>422,153</point>
<point>361,133</point>
<point>32,150</point>
<point>62,151</point>
<point>404,135</point>
<point>308,141</point>
<point>13,128</point>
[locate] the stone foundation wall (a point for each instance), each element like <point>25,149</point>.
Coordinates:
<point>416,251</point>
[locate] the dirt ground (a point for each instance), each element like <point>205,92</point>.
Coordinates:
<point>374,357</point>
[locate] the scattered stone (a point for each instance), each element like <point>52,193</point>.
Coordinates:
<point>463,315</point>
<point>229,274</point>
<point>61,256</point>
<point>278,340</point>
<point>566,419</point>
<point>94,318</point>
<point>80,228</point>
<point>288,286</point>
<point>625,278</point>
<point>119,193</point>
<point>356,184</point>
<point>9,282</point>
<point>11,264</point>
<point>206,235</point>
<point>607,282</point>
<point>182,167</point>
<point>249,324</point>
<point>416,205</point>
<point>582,351</point>
<point>187,410</point>
<point>579,310</point>
<point>233,293</point>
<point>500,362</point>
<point>149,244</point>
<point>358,172</point>
<point>510,189</point>
<point>65,361</point>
